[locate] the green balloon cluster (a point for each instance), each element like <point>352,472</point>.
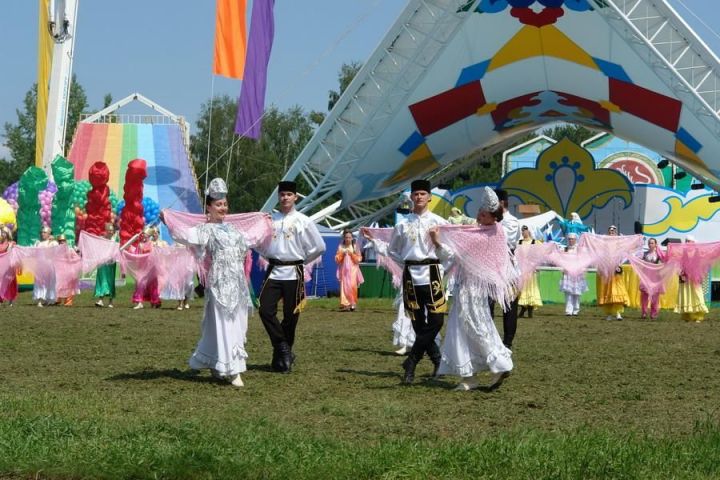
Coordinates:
<point>79,195</point>
<point>63,213</point>
<point>28,215</point>
<point>113,200</point>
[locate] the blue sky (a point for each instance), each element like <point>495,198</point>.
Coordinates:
<point>163,49</point>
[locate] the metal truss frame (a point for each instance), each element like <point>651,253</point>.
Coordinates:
<point>372,99</point>
<point>662,39</point>
<point>653,29</point>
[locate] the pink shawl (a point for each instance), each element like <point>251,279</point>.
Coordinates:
<point>482,260</point>
<point>573,263</point>
<point>68,267</point>
<point>256,227</point>
<point>97,251</point>
<point>177,266</point>
<point>40,261</point>
<point>608,251</point>
<point>144,267</point>
<point>694,259</point>
<point>653,276</point>
<point>530,256</point>
<point>382,237</point>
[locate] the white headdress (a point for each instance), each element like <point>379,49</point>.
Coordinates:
<point>689,239</point>
<point>217,189</point>
<point>488,200</point>
<point>574,217</point>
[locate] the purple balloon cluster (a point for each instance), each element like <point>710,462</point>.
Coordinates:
<point>46,198</point>
<point>11,195</point>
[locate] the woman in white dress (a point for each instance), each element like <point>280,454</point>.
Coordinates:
<point>573,286</point>
<point>221,247</point>
<point>44,292</point>
<point>482,267</point>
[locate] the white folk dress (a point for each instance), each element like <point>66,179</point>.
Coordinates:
<point>227,298</point>
<point>44,288</point>
<point>472,343</point>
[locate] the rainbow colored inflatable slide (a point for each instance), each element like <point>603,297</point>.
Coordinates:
<point>171,180</point>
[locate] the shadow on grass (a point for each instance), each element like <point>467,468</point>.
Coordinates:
<point>368,373</point>
<point>261,368</point>
<point>383,353</point>
<point>174,373</point>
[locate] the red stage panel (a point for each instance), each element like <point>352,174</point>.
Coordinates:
<point>651,106</point>
<point>444,109</point>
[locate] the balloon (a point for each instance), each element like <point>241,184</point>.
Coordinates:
<point>7,213</point>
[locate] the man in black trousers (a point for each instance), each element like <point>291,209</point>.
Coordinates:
<point>296,241</point>
<point>512,234</point>
<point>423,292</point>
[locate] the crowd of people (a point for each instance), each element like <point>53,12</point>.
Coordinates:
<point>489,261</point>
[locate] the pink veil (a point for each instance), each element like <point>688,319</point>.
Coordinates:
<point>694,259</point>
<point>653,276</point>
<point>68,268</point>
<point>40,261</point>
<point>97,251</point>
<point>608,251</point>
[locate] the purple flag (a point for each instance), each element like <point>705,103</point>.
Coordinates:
<point>252,94</point>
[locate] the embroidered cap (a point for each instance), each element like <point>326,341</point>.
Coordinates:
<point>488,200</point>
<point>217,190</point>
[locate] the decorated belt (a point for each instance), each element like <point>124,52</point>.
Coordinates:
<point>426,261</point>
<point>281,263</point>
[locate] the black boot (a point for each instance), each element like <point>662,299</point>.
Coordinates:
<point>282,358</point>
<point>530,310</point>
<point>435,358</point>
<point>409,366</point>
<point>286,357</point>
<point>522,312</point>
<point>277,360</point>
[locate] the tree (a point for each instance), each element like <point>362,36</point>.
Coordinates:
<point>345,76</point>
<point>576,133</point>
<point>254,167</point>
<point>20,137</point>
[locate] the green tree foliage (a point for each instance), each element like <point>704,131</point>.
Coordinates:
<point>20,136</point>
<point>345,76</point>
<point>576,133</point>
<point>254,167</point>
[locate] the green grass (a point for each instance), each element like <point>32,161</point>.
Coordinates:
<point>99,393</point>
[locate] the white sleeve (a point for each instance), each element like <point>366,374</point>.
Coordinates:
<point>312,242</point>
<point>394,247</point>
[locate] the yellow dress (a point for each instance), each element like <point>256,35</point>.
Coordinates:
<point>530,293</point>
<point>691,302</point>
<point>613,295</point>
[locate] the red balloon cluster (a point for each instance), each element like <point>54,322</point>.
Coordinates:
<point>132,218</point>
<point>98,199</point>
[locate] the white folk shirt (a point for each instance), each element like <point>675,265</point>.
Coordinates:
<point>410,241</point>
<point>295,237</point>
<point>511,225</point>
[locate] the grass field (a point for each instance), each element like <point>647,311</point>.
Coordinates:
<point>99,393</point>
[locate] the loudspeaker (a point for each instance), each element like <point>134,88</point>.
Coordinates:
<point>638,227</point>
